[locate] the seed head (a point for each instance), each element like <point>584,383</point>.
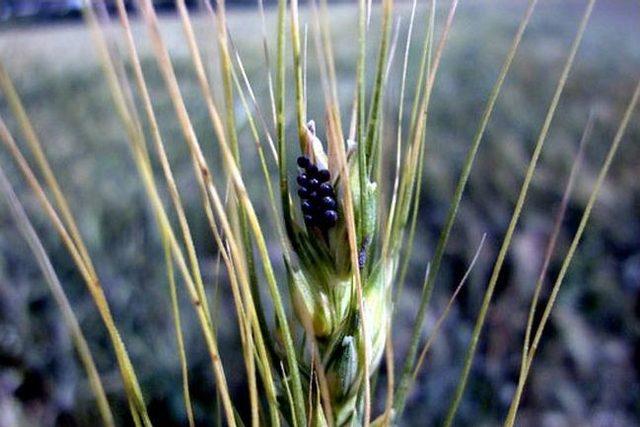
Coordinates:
<point>321,276</point>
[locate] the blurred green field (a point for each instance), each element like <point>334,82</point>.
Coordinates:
<point>587,371</point>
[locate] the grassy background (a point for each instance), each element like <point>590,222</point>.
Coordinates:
<point>586,371</point>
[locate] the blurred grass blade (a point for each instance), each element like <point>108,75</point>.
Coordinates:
<point>416,154</point>
<point>389,350</point>
<point>169,177</point>
<point>267,60</point>
<point>554,239</point>
<point>281,137</point>
<point>131,385</point>
<point>443,316</point>
<point>403,81</point>
<point>287,388</point>
<point>43,164</point>
<point>258,110</point>
<point>572,248</point>
<point>136,138</point>
<point>359,118</point>
<point>257,140</point>
<point>515,217</point>
<point>51,278</point>
<point>408,183</point>
<point>425,66</point>
<point>178,328</point>
<point>239,221</point>
<point>392,53</point>
<point>378,84</point>
<point>453,210</point>
<point>301,113</point>
<point>324,21</point>
<point>205,179</point>
<point>226,68</point>
<point>159,145</point>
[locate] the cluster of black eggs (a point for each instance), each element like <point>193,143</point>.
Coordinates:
<point>319,204</point>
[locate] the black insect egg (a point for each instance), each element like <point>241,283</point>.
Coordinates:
<point>307,207</point>
<point>324,175</point>
<point>325,190</point>
<point>302,179</point>
<point>328,202</point>
<point>330,218</point>
<point>303,162</point>
<point>318,199</point>
<point>303,193</point>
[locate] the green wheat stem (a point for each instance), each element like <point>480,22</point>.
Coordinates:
<point>570,253</point>
<point>378,86</point>
<point>425,66</point>
<point>403,81</point>
<point>416,151</point>
<point>453,209</point>
<point>417,137</point>
<point>361,103</point>
<point>280,114</point>
<point>297,72</point>
<point>514,219</point>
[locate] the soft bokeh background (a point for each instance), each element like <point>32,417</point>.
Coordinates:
<point>586,372</point>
